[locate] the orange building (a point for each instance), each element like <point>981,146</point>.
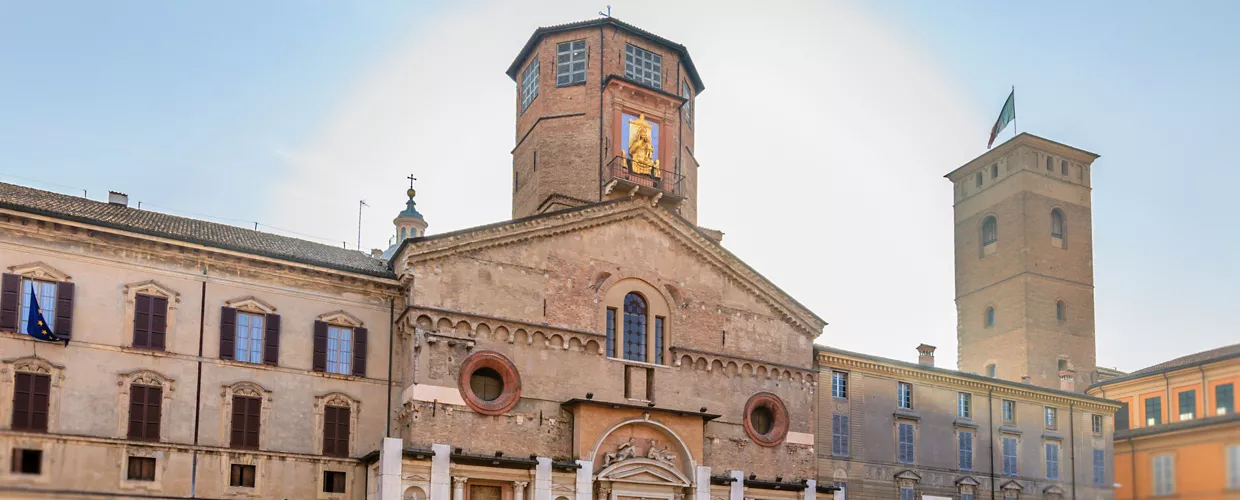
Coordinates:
<point>1177,434</point>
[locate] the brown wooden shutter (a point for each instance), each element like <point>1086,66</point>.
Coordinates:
<point>271,341</point>
<point>252,422</point>
<point>154,408</point>
<point>320,346</point>
<point>237,437</point>
<point>64,309</point>
<point>228,335</point>
<point>141,322</point>
<point>10,287</point>
<point>342,432</point>
<point>159,323</point>
<point>137,411</point>
<point>39,399</point>
<point>336,431</point>
<point>329,431</point>
<point>359,351</point>
<point>22,388</point>
<point>245,422</point>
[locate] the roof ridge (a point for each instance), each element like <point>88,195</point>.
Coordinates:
<point>191,230</point>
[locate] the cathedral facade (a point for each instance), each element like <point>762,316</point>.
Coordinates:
<point>599,344</point>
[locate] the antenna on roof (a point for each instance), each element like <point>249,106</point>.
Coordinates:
<point>360,204</point>
<point>608,14</point>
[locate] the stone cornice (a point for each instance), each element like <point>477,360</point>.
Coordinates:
<point>1083,402</point>
<point>554,224</point>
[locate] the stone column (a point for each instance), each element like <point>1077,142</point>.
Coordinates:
<point>542,479</point>
<point>585,480</point>
<point>701,483</point>
<point>518,490</point>
<point>458,487</point>
<point>441,481</point>
<point>738,485</point>
<point>390,457</point>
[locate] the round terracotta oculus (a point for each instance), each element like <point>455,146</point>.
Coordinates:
<point>766,419</point>
<point>489,383</point>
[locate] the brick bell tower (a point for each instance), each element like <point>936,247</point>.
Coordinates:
<point>1024,264</point>
<point>603,109</point>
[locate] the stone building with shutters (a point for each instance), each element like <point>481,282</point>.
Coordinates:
<point>598,345</point>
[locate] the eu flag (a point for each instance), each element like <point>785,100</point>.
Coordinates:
<point>36,326</point>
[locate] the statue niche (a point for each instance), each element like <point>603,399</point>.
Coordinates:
<point>641,148</point>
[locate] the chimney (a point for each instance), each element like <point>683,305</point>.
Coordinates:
<point>1067,380</point>
<point>376,253</point>
<point>1026,380</point>
<point>115,198</point>
<point>925,355</point>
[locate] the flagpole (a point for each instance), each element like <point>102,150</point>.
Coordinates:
<point>1014,132</point>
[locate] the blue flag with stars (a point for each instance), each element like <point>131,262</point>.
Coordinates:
<point>36,326</point>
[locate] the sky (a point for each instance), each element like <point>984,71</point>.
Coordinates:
<point>824,131</point>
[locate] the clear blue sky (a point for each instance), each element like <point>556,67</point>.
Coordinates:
<point>234,109</point>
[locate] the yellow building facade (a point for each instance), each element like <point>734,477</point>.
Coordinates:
<point>1178,433</point>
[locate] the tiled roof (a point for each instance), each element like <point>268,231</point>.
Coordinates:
<point>610,21</point>
<point>210,234</point>
<point>1189,361</point>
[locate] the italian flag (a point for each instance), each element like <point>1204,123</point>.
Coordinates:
<point>1005,117</point>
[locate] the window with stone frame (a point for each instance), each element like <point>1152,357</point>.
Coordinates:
<point>51,289</point>
<point>1095,423</point>
<point>906,439</point>
<point>150,322</point>
<point>1009,456</point>
<point>839,435</point>
<point>643,66</point>
<point>964,448</point>
<point>242,475</point>
<point>334,481</point>
<point>904,395</point>
<point>244,410</point>
<point>907,493</point>
<point>45,295</point>
<point>964,405</point>
<point>1063,167</point>
<point>1052,418</point>
<point>839,385</point>
<point>634,327</point>
<point>145,409</point>
<point>1052,461</point>
<point>140,469</point>
<point>529,84</point>
<point>570,62</point>
<point>31,401</point>
<point>1100,468</point>
<point>1009,411</point>
<point>336,416</point>
<point>26,461</point>
<point>611,332</point>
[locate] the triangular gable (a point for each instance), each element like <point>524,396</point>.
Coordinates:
<point>643,470</point>
<point>1012,485</point>
<point>421,250</point>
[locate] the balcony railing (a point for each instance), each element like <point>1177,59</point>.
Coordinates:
<point>627,171</point>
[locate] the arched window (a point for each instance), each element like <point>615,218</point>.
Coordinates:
<point>1050,164</point>
<point>1057,223</point>
<point>1061,311</point>
<point>1063,167</point>
<point>634,327</point>
<point>994,171</point>
<point>990,316</point>
<point>402,234</point>
<point>979,179</point>
<point>990,231</point>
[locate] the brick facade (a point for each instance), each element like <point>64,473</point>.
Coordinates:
<point>1026,272</point>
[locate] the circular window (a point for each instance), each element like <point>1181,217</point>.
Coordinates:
<point>766,419</point>
<point>489,383</point>
<point>486,384</point>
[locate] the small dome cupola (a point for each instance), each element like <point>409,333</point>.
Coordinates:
<point>409,223</point>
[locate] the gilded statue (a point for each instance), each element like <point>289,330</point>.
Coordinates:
<point>641,148</point>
